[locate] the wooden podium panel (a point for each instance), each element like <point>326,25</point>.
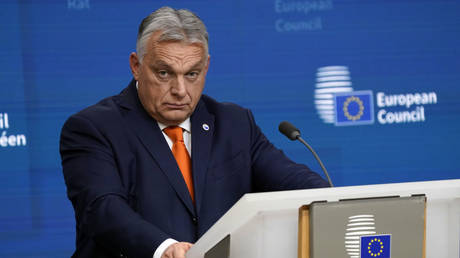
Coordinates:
<point>303,244</point>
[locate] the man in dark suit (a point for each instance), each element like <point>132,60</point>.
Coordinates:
<point>160,162</point>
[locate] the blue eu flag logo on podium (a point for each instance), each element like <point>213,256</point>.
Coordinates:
<point>376,246</point>
<point>354,108</point>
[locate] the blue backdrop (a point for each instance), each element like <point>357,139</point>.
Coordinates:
<point>296,60</point>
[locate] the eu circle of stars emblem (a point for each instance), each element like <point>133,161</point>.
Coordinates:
<point>354,108</point>
<point>375,246</point>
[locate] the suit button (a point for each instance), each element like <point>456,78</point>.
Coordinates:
<point>195,220</point>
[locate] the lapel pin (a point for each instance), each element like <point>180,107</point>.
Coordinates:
<point>206,127</point>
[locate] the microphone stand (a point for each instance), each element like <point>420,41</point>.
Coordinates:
<point>317,158</point>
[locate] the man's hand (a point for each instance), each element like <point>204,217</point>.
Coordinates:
<point>176,250</point>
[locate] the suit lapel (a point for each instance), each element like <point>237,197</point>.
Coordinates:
<point>202,134</point>
<point>149,134</point>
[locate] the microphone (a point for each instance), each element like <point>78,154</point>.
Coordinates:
<point>291,132</point>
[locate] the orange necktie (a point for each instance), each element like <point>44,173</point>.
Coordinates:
<point>181,154</point>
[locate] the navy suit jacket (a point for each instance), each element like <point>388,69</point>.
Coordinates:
<point>127,190</point>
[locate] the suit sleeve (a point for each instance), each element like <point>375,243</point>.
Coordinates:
<point>273,171</point>
<point>98,196</point>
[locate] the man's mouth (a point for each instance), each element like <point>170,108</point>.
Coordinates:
<point>175,105</point>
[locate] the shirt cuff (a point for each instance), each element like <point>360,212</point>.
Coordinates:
<point>163,246</point>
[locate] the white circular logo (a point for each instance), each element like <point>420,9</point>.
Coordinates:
<point>358,225</point>
<point>329,81</point>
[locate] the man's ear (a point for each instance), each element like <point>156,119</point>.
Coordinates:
<point>207,64</point>
<point>135,64</point>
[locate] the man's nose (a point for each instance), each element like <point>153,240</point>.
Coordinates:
<point>179,88</point>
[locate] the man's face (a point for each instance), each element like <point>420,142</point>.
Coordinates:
<point>170,79</point>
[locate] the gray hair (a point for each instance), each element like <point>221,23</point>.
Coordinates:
<point>175,25</point>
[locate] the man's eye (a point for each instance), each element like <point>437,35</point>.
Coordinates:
<point>192,75</point>
<point>163,74</point>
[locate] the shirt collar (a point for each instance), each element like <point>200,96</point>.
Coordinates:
<point>186,125</point>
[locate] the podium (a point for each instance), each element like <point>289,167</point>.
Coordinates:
<point>266,224</point>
